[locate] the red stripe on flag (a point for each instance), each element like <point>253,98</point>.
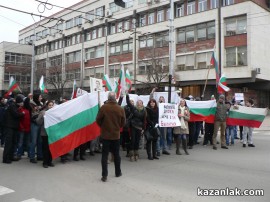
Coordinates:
<point>74,140</point>
<point>199,117</point>
<point>243,122</point>
<point>11,89</point>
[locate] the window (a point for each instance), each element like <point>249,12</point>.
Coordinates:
<point>112,31</point>
<point>126,25</point>
<point>142,1</point>
<point>143,69</point>
<point>60,26</point>
<point>180,10</point>
<point>160,16</point>
<point>90,53</point>
<point>185,62</point>
<point>201,32</point>
<point>227,2</point>
<point>78,38</point>
<point>191,7</point>
<point>73,57</point>
<point>100,32</point>
<point>100,12</point>
<point>113,7</point>
<point>151,17</point>
<point>90,15</point>
<point>190,34</point>
<point>162,39</point>
<point>73,74</point>
<point>236,26</point>
<point>55,61</point>
<point>236,56</point>
<point>45,32</point>
<point>94,34</point>
<point>214,3</point>
<point>129,3</point>
<point>69,24</point>
<point>168,14</point>
<point>115,48</point>
<point>78,20</point>
<point>127,46</point>
<point>100,51</point>
<point>119,27</point>
<point>146,41</point>
<point>203,60</point>
<point>202,5</point>
<point>39,35</point>
<point>142,20</point>
<point>114,70</point>
<point>73,39</point>
<point>88,36</point>
<point>18,59</point>
<point>211,31</point>
<point>181,36</point>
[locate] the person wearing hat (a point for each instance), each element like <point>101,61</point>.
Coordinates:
<point>12,121</point>
<point>220,122</point>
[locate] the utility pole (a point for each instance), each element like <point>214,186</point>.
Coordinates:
<point>82,58</point>
<point>135,49</point>
<point>171,49</point>
<point>106,66</point>
<point>33,62</point>
<point>219,38</point>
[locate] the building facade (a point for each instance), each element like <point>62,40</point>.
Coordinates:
<point>15,60</point>
<point>95,37</point>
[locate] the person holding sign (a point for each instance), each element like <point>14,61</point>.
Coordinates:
<point>182,131</point>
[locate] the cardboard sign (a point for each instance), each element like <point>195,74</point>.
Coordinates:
<point>95,85</point>
<point>239,96</point>
<point>168,115</point>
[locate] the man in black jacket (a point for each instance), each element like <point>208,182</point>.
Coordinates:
<point>12,121</point>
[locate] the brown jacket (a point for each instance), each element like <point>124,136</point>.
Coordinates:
<point>111,117</point>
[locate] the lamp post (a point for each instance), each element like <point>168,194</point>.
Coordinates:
<point>33,62</point>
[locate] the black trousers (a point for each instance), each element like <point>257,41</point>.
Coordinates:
<point>110,146</point>
<point>80,149</point>
<point>209,130</point>
<point>153,145</point>
<point>241,132</point>
<point>191,127</point>
<point>135,138</point>
<point>47,156</point>
<point>126,139</point>
<point>10,144</point>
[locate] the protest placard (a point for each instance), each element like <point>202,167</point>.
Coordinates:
<point>168,115</point>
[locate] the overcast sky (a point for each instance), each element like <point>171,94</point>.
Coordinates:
<point>11,21</point>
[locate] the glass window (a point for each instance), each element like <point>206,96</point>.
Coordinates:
<point>90,15</point>
<point>190,34</point>
<point>88,36</point>
<point>114,7</point>
<point>180,10</point>
<point>94,34</point>
<point>90,53</point>
<point>191,7</point>
<point>151,17</point>
<point>160,16</point>
<point>119,27</point>
<point>112,28</point>
<point>242,56</point>
<point>202,5</point>
<point>168,14</point>
<point>100,51</point>
<point>201,32</point>
<point>142,20</point>
<point>150,41</point>
<point>227,2</point>
<point>211,31</point>
<point>73,39</point>
<point>126,25</point>
<point>129,3</point>
<point>214,3</point>
<point>242,25</point>
<point>230,57</point>
<point>230,27</point>
<point>44,33</point>
<point>100,12</point>
<point>78,20</point>
<point>69,24</point>
<point>143,42</point>
<point>100,32</point>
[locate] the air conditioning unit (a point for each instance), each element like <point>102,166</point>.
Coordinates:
<point>258,70</point>
<point>149,2</point>
<point>109,13</point>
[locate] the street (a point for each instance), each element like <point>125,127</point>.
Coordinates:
<point>172,178</point>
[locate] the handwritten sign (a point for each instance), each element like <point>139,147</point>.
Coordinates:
<point>168,115</point>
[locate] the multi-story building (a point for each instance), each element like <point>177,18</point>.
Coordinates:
<point>15,60</point>
<point>91,38</point>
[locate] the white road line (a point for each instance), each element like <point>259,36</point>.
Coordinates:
<point>5,190</point>
<point>32,200</point>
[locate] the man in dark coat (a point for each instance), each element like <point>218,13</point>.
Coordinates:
<point>110,118</point>
<point>12,121</point>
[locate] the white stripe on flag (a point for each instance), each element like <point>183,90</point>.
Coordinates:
<point>250,110</point>
<point>32,200</point>
<point>5,190</point>
<point>201,104</point>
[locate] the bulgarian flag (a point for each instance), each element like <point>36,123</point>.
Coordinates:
<point>222,85</point>
<point>246,116</point>
<point>214,62</point>
<point>121,82</point>
<point>128,80</point>
<point>42,85</point>
<point>202,110</point>
<point>12,86</point>
<point>106,83</point>
<point>74,92</point>
<point>116,86</point>
<point>72,123</point>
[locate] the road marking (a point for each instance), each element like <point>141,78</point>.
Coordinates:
<point>5,190</point>
<point>32,200</point>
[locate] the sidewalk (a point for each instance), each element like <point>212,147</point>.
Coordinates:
<point>265,125</point>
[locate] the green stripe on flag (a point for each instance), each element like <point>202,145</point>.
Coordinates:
<point>68,126</point>
<point>239,115</point>
<point>203,111</point>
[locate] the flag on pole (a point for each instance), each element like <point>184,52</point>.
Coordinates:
<point>42,85</point>
<point>116,86</point>
<point>12,86</point>
<point>214,62</point>
<point>222,85</point>
<point>74,92</point>
<point>106,83</point>
<point>128,80</point>
<point>121,82</point>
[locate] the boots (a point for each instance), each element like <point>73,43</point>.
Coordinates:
<point>131,155</point>
<point>178,142</point>
<point>136,155</point>
<point>148,150</point>
<point>154,150</point>
<point>184,144</point>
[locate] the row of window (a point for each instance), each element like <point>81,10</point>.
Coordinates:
<point>18,59</point>
<point>20,78</point>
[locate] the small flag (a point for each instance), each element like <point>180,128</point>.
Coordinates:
<point>128,80</point>
<point>106,83</point>
<point>42,85</point>
<point>214,62</point>
<point>121,82</point>
<point>12,86</point>
<point>74,93</point>
<point>222,85</point>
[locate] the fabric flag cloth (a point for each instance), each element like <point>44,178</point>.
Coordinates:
<point>72,123</point>
<point>222,85</point>
<point>12,86</point>
<point>106,83</point>
<point>202,110</point>
<point>81,92</point>
<point>121,82</point>
<point>246,116</point>
<point>74,92</point>
<point>128,80</point>
<point>42,85</point>
<point>214,62</point>
<point>115,86</point>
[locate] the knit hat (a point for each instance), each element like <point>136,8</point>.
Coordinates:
<point>221,96</point>
<point>19,99</point>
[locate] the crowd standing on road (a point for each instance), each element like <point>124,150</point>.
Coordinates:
<point>22,130</point>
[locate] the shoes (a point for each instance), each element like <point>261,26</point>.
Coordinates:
<point>237,138</point>
<point>251,145</point>
<point>33,161</point>
<point>92,153</point>
<point>214,148</point>
<point>244,145</point>
<point>158,153</point>
<point>104,179</point>
<point>82,158</point>
<point>155,157</point>
<point>190,147</point>
<point>224,147</point>
<point>150,158</point>
<point>136,157</point>
<point>51,165</point>
<point>15,159</point>
<point>165,152</point>
<point>119,175</point>
<point>7,161</point>
<point>45,166</point>
<point>75,159</point>
<point>178,152</point>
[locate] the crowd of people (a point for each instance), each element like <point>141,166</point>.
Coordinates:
<point>22,130</point>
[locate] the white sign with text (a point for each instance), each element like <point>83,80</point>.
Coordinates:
<point>168,115</point>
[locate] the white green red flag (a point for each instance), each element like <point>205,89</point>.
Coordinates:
<point>115,86</point>
<point>202,110</point>
<point>74,92</point>
<point>222,85</point>
<point>106,83</point>
<point>12,86</point>
<point>42,85</point>
<point>128,80</point>
<point>246,116</point>
<point>121,81</point>
<point>214,62</point>
<point>72,123</point>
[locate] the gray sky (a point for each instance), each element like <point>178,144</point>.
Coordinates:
<point>11,21</point>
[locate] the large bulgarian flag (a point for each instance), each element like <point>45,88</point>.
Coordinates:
<point>12,86</point>
<point>202,110</point>
<point>214,63</point>
<point>42,85</point>
<point>72,123</point>
<point>246,116</point>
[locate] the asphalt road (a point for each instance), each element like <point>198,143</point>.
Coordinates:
<point>170,179</point>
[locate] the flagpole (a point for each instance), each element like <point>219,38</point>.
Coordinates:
<point>206,81</point>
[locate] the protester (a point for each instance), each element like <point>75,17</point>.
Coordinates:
<point>229,129</point>
<point>138,122</point>
<point>248,131</point>
<point>191,127</point>
<point>181,132</point>
<point>47,156</point>
<point>151,127</point>
<point>220,122</point>
<point>209,130</point>
<point>12,121</point>
<point>110,118</point>
<point>3,108</point>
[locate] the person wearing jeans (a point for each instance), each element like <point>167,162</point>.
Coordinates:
<point>248,131</point>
